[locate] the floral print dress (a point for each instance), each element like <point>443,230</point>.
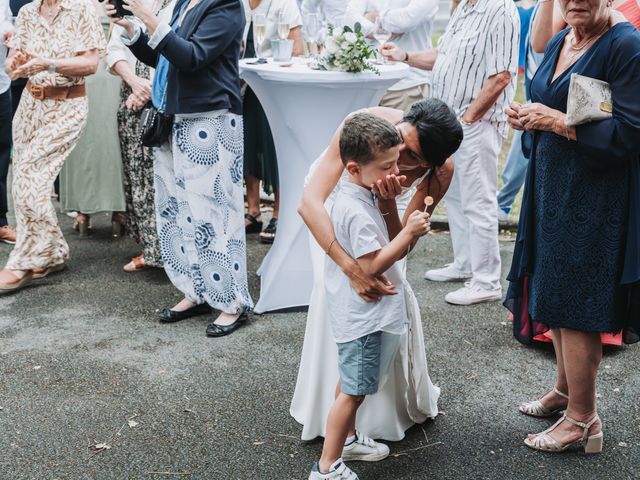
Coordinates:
<point>45,131</point>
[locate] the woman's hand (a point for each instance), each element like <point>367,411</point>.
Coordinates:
<point>390,188</point>
<point>31,67</point>
<point>110,10</point>
<point>536,116</point>
<point>369,288</point>
<point>141,88</point>
<point>134,103</point>
<point>391,51</point>
<point>513,116</point>
<point>143,12</point>
<point>6,38</point>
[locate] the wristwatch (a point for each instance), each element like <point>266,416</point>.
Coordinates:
<point>52,67</point>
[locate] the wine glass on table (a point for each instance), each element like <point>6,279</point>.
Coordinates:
<point>310,31</point>
<point>382,36</point>
<point>259,32</point>
<point>283,26</point>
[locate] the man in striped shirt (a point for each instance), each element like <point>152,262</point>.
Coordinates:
<point>475,70</point>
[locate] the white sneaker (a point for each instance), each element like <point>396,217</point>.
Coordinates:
<point>503,217</point>
<point>469,295</point>
<point>365,449</point>
<point>338,471</point>
<point>447,274</point>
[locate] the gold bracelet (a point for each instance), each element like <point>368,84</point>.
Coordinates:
<point>331,245</point>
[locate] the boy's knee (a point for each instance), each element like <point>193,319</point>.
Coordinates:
<point>356,399</point>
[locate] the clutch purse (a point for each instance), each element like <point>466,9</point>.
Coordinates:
<point>155,127</point>
<point>589,100</point>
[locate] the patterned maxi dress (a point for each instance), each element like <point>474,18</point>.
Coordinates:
<point>200,205</point>
<point>45,131</point>
<point>137,163</point>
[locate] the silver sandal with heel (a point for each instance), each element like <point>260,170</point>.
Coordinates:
<point>538,410</point>
<point>591,443</point>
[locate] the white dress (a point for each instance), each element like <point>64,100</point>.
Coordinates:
<point>407,397</point>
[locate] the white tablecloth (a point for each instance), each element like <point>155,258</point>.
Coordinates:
<point>304,108</point>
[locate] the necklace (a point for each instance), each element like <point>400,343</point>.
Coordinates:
<point>577,48</point>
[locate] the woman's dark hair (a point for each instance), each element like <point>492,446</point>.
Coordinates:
<point>439,131</point>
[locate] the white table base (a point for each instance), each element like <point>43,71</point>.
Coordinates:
<point>303,118</point>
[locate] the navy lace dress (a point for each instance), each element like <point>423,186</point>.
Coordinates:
<point>576,263</point>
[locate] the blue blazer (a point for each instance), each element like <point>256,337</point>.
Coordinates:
<point>203,57</point>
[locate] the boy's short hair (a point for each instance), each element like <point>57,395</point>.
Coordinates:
<point>364,136</point>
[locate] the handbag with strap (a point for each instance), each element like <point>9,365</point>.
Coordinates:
<point>589,100</point>
<point>155,127</point>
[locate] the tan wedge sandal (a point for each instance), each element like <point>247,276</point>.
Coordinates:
<point>591,443</point>
<point>537,409</point>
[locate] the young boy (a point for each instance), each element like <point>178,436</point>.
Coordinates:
<point>367,334</point>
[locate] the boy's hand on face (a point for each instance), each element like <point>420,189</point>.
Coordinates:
<point>419,224</point>
<point>389,188</point>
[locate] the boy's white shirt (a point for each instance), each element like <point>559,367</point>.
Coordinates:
<point>360,229</point>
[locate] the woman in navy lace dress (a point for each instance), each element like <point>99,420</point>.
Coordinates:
<point>576,266</point>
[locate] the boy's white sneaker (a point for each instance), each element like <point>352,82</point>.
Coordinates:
<point>364,449</point>
<point>338,471</point>
<point>448,273</point>
<point>469,295</point>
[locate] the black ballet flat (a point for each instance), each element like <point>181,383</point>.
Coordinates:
<point>170,316</point>
<point>214,330</point>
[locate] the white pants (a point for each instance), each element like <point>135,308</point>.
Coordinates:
<point>472,206</point>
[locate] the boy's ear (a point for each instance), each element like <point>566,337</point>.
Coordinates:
<point>353,168</point>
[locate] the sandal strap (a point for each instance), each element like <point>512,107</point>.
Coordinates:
<point>138,262</point>
<point>272,226</point>
<point>584,426</point>
<point>251,218</point>
<point>558,392</point>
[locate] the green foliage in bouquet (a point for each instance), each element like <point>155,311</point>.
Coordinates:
<point>346,50</point>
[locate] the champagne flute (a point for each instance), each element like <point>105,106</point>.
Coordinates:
<point>381,35</point>
<point>259,32</point>
<point>283,26</point>
<point>310,32</point>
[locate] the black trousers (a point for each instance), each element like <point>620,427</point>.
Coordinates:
<point>6,112</point>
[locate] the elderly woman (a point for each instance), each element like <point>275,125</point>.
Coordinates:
<point>198,170</point>
<point>57,43</point>
<point>430,134</point>
<point>576,268</point>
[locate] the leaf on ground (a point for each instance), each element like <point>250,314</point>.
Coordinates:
<point>616,390</point>
<point>187,410</point>
<point>132,423</point>
<point>99,447</point>
<point>623,444</point>
<point>258,443</point>
<point>37,367</point>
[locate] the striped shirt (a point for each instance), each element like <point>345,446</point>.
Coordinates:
<point>480,41</point>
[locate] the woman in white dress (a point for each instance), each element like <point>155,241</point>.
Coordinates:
<point>431,133</point>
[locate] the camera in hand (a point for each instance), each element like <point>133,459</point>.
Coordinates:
<point>119,4</point>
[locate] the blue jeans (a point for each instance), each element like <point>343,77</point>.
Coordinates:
<point>514,173</point>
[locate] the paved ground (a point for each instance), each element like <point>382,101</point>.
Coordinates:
<point>81,354</point>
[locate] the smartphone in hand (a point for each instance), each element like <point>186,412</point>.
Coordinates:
<point>119,4</point>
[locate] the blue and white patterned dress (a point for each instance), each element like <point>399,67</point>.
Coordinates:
<point>200,207</point>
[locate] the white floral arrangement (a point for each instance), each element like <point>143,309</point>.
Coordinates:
<point>346,50</point>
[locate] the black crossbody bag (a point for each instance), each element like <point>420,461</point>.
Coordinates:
<point>155,127</point>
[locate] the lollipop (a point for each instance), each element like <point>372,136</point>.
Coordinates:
<point>428,201</point>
